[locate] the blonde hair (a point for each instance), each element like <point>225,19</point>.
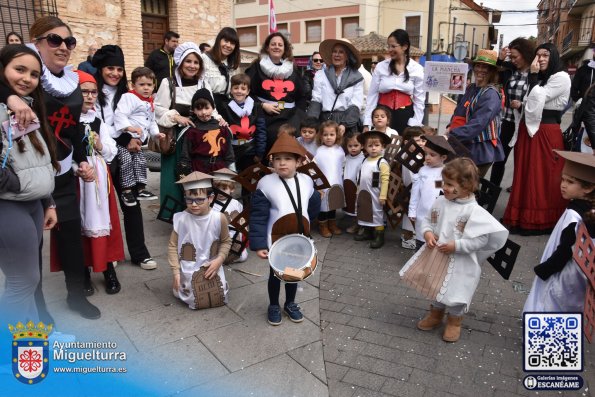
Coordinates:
<point>286,129</point>
<point>224,184</point>
<point>329,124</point>
<point>463,171</point>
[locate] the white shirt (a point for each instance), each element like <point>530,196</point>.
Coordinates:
<point>214,77</point>
<point>553,96</point>
<point>134,112</point>
<point>383,81</point>
<point>324,94</point>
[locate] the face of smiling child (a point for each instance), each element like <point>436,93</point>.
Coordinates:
<point>453,190</point>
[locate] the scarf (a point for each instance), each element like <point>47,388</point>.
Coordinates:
<point>142,98</point>
<point>273,71</point>
<point>350,78</point>
<point>242,111</point>
<point>57,86</point>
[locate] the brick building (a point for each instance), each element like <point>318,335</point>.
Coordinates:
<point>136,26</point>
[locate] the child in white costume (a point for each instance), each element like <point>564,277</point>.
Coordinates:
<point>372,188</point>
<point>224,183</point>
<point>200,239</point>
<point>427,184</point>
<point>460,235</point>
<point>330,157</point>
<point>353,162</point>
<point>560,285</point>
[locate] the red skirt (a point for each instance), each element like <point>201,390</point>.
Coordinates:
<point>98,251</point>
<point>535,201</point>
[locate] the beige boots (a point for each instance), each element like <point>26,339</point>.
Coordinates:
<point>328,228</point>
<point>433,319</point>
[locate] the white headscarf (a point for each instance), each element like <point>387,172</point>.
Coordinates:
<point>180,53</point>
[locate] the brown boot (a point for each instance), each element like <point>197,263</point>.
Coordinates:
<point>334,229</point>
<point>323,229</point>
<point>452,332</point>
<point>432,319</point>
<point>353,229</point>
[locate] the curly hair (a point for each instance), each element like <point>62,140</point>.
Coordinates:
<point>464,172</point>
<point>329,124</point>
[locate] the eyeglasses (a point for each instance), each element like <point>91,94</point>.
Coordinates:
<point>93,93</point>
<point>195,200</point>
<point>317,60</point>
<point>55,41</point>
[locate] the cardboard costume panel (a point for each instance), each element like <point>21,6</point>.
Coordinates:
<point>488,195</point>
<point>504,259</point>
<point>335,197</point>
<point>250,176</point>
<point>312,170</point>
<point>207,293</point>
<point>584,253</point>
<point>364,206</point>
<point>411,156</point>
<point>350,190</point>
<point>428,272</point>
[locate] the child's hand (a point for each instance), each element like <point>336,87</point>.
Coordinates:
<point>176,283</point>
<point>263,254</point>
<point>98,145</point>
<point>134,146</point>
<point>430,238</point>
<point>85,171</point>
<point>161,136</point>
<point>212,267</point>
<point>382,202</point>
<point>341,129</point>
<point>447,248</point>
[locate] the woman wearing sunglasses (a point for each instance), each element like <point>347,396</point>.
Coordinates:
<point>54,42</point>
<point>314,65</point>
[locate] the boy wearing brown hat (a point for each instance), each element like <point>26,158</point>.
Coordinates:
<point>427,183</point>
<point>560,285</point>
<point>206,147</point>
<point>279,198</point>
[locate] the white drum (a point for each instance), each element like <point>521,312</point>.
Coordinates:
<point>293,258</point>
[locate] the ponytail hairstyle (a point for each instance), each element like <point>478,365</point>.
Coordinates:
<point>7,54</point>
<point>402,37</point>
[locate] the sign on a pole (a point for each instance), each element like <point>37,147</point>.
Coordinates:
<point>445,77</point>
<point>460,51</point>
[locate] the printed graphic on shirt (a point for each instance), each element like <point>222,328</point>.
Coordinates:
<point>214,140</point>
<point>244,130</point>
<point>188,252</point>
<point>278,88</point>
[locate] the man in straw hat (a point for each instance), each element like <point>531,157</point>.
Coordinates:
<point>338,92</point>
<point>560,285</point>
<point>198,246</point>
<point>284,203</point>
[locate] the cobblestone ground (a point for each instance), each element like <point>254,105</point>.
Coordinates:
<point>373,348</point>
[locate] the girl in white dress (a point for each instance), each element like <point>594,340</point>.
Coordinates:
<point>460,235</point>
<point>330,157</point>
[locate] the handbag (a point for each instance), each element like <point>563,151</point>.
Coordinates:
<point>572,134</point>
<point>167,145</point>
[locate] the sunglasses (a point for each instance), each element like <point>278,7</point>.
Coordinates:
<point>195,200</point>
<point>55,41</point>
<point>317,60</point>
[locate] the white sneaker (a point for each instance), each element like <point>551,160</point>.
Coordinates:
<point>148,264</point>
<point>408,244</point>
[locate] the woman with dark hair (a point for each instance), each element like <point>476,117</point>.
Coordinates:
<point>220,63</point>
<point>476,119</point>
<point>111,84</point>
<point>172,110</point>
<point>315,63</point>
<point>54,42</point>
<point>338,92</point>
<point>397,82</point>
<point>520,51</point>
<point>14,38</point>
<point>536,202</point>
<point>276,86</point>
<point>26,184</point>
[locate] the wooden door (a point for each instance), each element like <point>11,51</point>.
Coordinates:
<point>154,27</point>
<point>413,28</point>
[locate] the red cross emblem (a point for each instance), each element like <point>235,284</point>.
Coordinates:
<point>244,130</point>
<point>61,119</point>
<point>278,88</point>
<point>30,360</point>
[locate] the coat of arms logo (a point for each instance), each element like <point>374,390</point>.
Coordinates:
<point>30,351</point>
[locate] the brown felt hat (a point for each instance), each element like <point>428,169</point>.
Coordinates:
<point>285,143</point>
<point>579,165</point>
<point>439,144</point>
<point>362,138</point>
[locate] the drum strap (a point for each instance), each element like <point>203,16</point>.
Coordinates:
<point>297,207</point>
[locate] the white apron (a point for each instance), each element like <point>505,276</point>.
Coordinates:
<point>330,161</point>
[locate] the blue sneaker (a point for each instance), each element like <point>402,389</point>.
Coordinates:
<point>275,315</point>
<point>293,312</point>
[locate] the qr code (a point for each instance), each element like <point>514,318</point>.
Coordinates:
<point>553,342</point>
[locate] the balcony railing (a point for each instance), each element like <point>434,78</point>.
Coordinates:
<point>567,42</point>
<point>415,41</point>
<point>19,15</point>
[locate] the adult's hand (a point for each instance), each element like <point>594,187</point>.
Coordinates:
<point>183,121</point>
<point>86,172</point>
<point>535,65</point>
<point>271,109</point>
<point>50,218</point>
<point>504,52</point>
<point>22,112</point>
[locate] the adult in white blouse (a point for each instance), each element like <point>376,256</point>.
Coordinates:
<point>338,92</point>
<point>535,202</point>
<point>221,62</point>
<point>397,82</point>
<point>188,78</point>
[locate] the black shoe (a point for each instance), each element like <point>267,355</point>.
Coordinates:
<point>87,286</point>
<point>82,306</point>
<point>128,199</point>
<point>365,233</point>
<point>146,195</point>
<point>378,241</point>
<point>112,285</point>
